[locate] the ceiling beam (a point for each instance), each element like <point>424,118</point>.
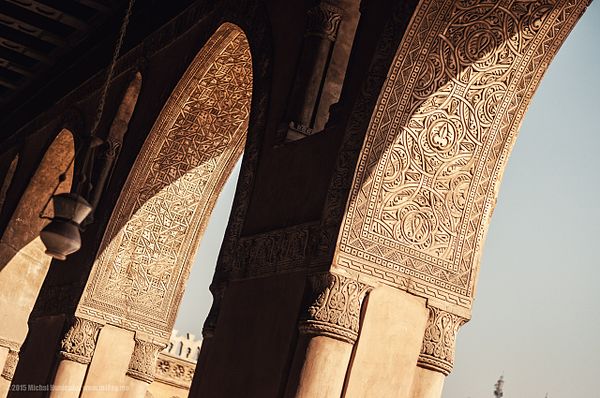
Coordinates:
<point>11,66</point>
<point>51,13</point>
<point>30,30</point>
<point>23,50</point>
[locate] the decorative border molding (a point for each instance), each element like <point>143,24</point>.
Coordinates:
<point>439,341</point>
<point>79,342</point>
<point>333,305</point>
<point>10,344</point>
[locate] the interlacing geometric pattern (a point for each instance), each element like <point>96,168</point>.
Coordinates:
<point>139,276</point>
<point>439,138</point>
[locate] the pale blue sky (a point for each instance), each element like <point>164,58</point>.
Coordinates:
<point>536,316</point>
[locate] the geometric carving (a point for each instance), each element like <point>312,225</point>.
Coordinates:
<point>439,341</point>
<point>138,278</point>
<point>439,137</point>
<point>10,365</point>
<point>143,360</point>
<point>333,306</point>
<point>79,342</point>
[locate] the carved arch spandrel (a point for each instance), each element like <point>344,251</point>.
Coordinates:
<point>138,278</point>
<point>429,170</point>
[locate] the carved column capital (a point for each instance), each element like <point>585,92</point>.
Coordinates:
<point>333,304</point>
<point>10,365</point>
<point>324,21</point>
<point>439,341</point>
<point>79,342</point>
<point>210,324</point>
<point>142,365</point>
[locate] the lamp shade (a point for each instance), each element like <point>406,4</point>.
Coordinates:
<point>62,237</point>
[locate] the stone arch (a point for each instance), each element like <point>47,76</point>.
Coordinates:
<point>8,179</point>
<point>139,276</point>
<point>23,263</point>
<point>438,140</point>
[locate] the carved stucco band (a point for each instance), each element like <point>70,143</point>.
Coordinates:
<point>324,21</point>
<point>333,306</point>
<point>439,341</point>
<point>142,365</point>
<point>10,365</point>
<point>210,324</point>
<point>79,342</point>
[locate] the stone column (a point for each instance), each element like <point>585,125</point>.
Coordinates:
<point>328,330</point>
<point>437,353</point>
<point>77,349</point>
<point>142,367</point>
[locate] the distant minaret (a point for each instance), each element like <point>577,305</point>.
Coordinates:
<point>498,393</point>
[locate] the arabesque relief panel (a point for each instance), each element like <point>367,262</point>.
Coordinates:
<point>438,140</point>
<point>138,278</point>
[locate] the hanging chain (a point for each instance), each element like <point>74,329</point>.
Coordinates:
<point>111,68</point>
<point>109,74</point>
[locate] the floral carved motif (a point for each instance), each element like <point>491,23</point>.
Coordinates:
<point>12,359</point>
<point>139,277</point>
<point>324,21</point>
<point>439,341</point>
<point>175,371</point>
<point>143,360</point>
<point>79,342</point>
<point>333,306</point>
<point>439,138</point>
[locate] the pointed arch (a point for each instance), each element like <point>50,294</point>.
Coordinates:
<point>139,276</point>
<point>438,139</point>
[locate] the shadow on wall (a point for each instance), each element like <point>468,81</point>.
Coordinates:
<point>23,263</point>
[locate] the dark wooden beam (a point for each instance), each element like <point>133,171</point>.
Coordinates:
<point>51,13</point>
<point>11,66</point>
<point>23,50</point>
<point>24,27</point>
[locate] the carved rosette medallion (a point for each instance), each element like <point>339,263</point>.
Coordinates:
<point>439,341</point>
<point>142,365</point>
<point>79,342</point>
<point>333,306</point>
<point>438,140</point>
<point>324,21</point>
<point>10,365</point>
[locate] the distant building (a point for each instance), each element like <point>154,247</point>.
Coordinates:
<point>175,367</point>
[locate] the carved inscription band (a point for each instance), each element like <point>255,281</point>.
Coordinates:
<point>439,341</point>
<point>333,306</point>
